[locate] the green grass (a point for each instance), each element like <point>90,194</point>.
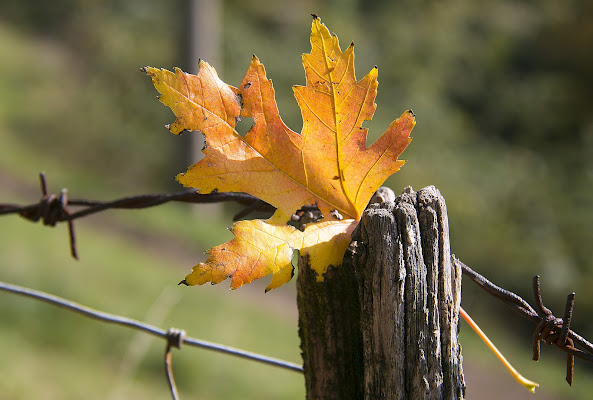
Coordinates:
<point>51,353</point>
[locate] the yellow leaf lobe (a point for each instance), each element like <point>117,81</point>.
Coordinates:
<point>265,247</point>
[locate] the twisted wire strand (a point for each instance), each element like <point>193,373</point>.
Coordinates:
<point>52,209</point>
<point>549,329</point>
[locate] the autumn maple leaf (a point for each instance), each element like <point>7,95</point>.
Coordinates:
<point>328,164</point>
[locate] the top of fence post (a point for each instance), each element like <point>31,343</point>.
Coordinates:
<point>385,323</point>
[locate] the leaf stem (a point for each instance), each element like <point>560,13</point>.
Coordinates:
<point>529,385</point>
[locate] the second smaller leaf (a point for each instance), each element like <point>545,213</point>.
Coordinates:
<point>263,247</point>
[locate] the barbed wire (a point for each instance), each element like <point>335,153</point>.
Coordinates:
<point>174,337</point>
<point>549,329</point>
<point>52,209</point>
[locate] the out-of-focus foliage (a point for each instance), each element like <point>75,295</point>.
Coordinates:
<point>503,92</point>
<point>70,84</point>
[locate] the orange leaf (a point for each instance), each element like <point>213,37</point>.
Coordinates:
<point>266,247</point>
<point>327,164</point>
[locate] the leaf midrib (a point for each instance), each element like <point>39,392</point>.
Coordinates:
<point>345,213</point>
<point>335,117</point>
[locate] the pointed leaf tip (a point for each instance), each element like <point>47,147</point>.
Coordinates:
<point>314,16</point>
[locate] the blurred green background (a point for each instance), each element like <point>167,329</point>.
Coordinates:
<point>503,93</point>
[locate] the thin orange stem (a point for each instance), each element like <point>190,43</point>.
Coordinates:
<point>529,385</point>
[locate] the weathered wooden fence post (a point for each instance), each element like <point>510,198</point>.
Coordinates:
<point>384,324</point>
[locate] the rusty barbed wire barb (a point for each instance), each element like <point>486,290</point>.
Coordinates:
<point>549,329</point>
<point>52,209</point>
<point>564,336</point>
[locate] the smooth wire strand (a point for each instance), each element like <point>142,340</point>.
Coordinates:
<point>153,330</point>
